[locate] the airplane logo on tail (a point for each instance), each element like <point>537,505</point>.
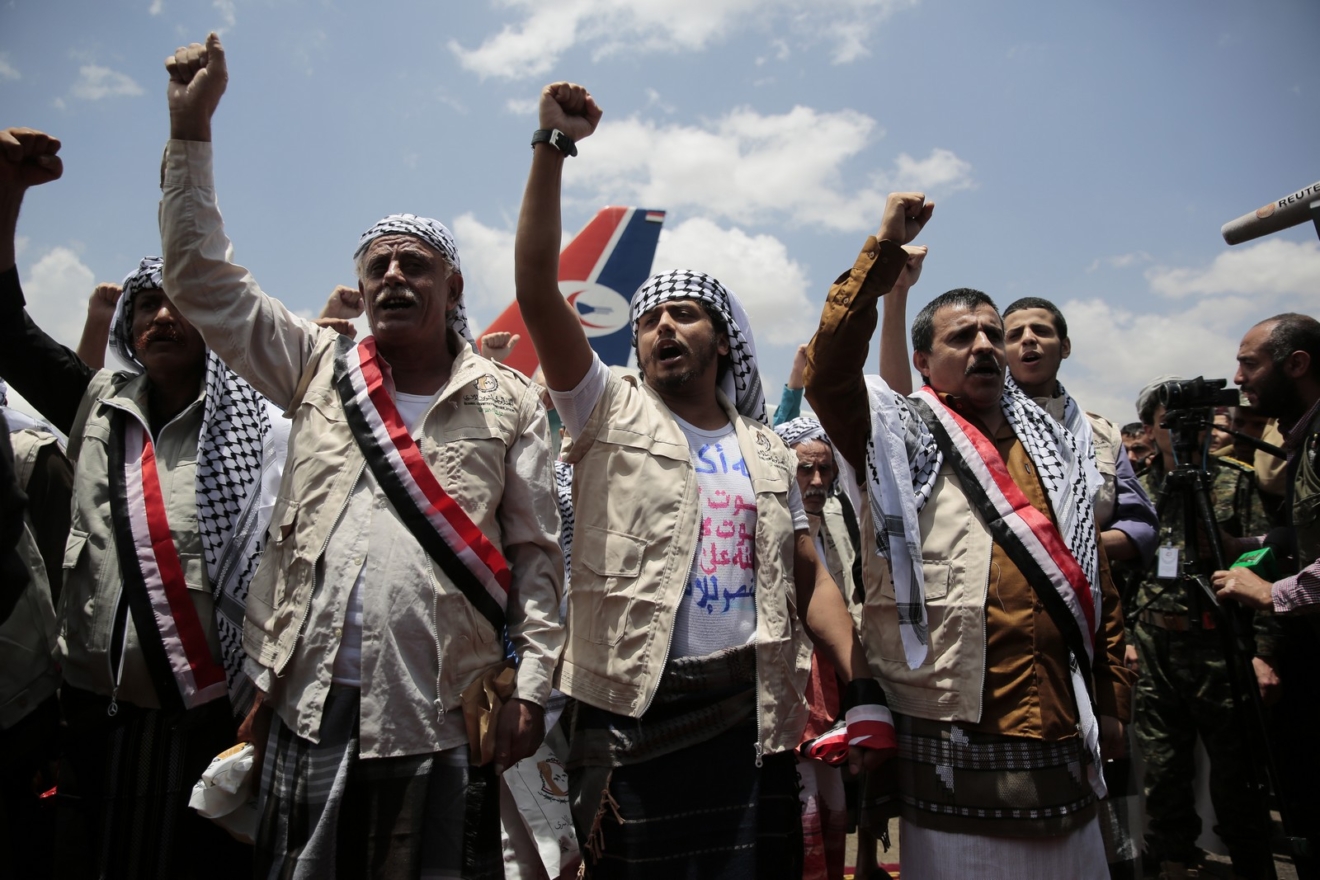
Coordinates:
<point>598,272</point>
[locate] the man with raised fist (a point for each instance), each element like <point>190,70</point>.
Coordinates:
<point>415,526</point>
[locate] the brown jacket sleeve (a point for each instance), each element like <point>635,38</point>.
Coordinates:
<point>836,357</point>
<point>1113,680</point>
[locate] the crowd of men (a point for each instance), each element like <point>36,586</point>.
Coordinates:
<point>958,605</point>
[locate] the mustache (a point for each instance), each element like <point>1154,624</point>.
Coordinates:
<point>816,493</point>
<point>157,332</point>
<point>397,291</point>
<point>985,364</point>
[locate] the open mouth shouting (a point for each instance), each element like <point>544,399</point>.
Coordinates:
<point>986,366</point>
<point>1031,356</point>
<point>668,351</point>
<point>395,299</point>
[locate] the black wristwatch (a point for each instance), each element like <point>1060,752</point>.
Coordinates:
<point>555,138</point>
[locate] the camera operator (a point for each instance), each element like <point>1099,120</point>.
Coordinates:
<point>1279,371</point>
<point>1184,685</point>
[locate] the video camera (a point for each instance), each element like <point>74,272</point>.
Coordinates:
<point>1196,393</point>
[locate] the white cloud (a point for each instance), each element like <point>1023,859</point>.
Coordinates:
<point>533,44</point>
<point>522,106</point>
<point>487,255</point>
<point>227,13</point>
<point>746,167</point>
<point>56,288</point>
<point>757,268</point>
<point>1272,267</point>
<point>1119,261</point>
<point>1116,351</point>
<point>156,7</point>
<point>7,70</point>
<point>96,82</point>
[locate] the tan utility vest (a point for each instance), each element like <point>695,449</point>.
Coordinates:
<point>635,535</point>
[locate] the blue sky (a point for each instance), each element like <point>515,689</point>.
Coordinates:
<point>1087,153</point>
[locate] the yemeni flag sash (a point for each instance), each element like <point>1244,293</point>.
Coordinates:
<point>1028,536</point>
<point>447,534</point>
<point>169,630</point>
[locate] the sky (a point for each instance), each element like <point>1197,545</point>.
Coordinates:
<point>1083,152</point>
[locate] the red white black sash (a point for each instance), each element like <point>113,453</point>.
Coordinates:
<point>447,534</point>
<point>1028,536</point>
<point>169,630</point>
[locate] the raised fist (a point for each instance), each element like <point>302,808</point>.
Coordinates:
<point>27,158</point>
<point>103,300</point>
<point>344,302</point>
<point>570,108</point>
<point>916,254</point>
<point>198,76</point>
<point>498,345</point>
<point>905,215</point>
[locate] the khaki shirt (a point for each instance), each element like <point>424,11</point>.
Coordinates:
<point>484,436</point>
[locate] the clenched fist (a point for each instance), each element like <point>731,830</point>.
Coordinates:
<point>570,108</point>
<point>198,76</point>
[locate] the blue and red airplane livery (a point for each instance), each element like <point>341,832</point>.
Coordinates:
<point>598,272</point>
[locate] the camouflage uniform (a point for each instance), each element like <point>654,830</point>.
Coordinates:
<point>1183,689</point>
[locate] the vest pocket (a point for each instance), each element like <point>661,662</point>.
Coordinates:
<point>599,605</point>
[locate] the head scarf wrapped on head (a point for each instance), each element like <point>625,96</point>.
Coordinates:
<point>231,457</point>
<point>741,383</point>
<point>435,235</point>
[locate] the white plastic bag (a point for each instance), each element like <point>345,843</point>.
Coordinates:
<point>227,792</point>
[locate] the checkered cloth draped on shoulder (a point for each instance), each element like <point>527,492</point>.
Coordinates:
<point>230,461</point>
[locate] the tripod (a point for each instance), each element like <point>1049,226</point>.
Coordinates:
<point>1190,485</point>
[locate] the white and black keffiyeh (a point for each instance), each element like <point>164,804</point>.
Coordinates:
<point>800,430</point>
<point>439,238</point>
<point>741,383</point>
<point>902,446</point>
<point>232,452</point>
<point>564,498</point>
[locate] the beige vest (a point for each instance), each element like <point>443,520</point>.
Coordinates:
<point>956,549</point>
<point>28,671</point>
<point>635,535</point>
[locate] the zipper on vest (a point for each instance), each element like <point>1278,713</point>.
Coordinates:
<point>439,660</point>
<point>307,612</point>
<point>119,640</point>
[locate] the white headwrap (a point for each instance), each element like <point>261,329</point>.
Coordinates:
<point>741,383</point>
<point>439,238</point>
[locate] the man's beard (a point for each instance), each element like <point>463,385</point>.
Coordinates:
<point>1275,395</point>
<point>699,355</point>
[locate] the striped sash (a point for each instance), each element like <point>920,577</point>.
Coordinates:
<point>1034,544</point>
<point>447,534</point>
<point>170,632</point>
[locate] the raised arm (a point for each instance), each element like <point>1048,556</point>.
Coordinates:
<point>895,365</point>
<point>560,342</point>
<point>49,375</point>
<point>253,333</point>
<point>96,328</point>
<point>836,356</point>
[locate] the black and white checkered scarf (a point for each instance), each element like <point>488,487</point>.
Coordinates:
<point>439,238</point>
<point>741,383</point>
<point>232,452</point>
<point>903,462</point>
